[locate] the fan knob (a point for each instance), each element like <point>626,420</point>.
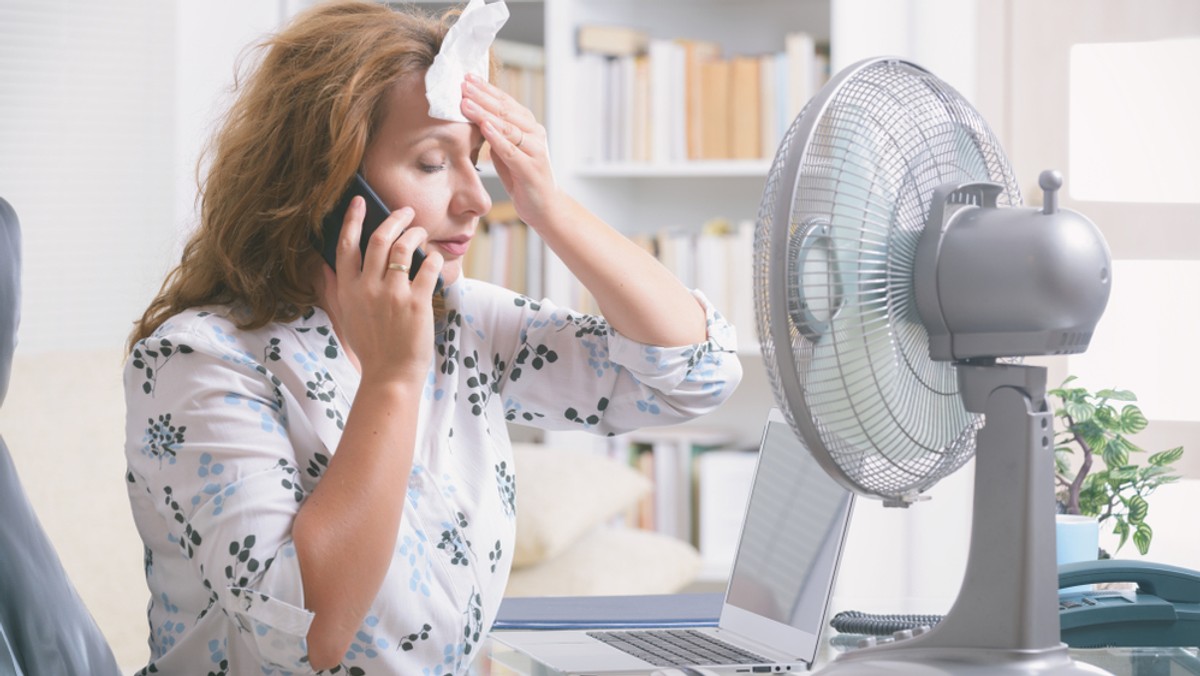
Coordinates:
<point>1050,181</point>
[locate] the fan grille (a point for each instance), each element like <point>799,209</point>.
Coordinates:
<point>858,168</point>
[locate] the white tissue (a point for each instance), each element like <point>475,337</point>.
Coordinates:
<point>465,50</point>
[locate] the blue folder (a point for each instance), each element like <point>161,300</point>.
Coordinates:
<point>610,612</point>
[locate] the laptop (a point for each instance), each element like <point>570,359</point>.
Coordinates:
<point>778,593</point>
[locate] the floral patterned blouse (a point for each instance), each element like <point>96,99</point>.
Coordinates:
<point>229,430</point>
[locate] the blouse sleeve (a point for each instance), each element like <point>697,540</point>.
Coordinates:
<point>215,458</point>
<point>573,371</point>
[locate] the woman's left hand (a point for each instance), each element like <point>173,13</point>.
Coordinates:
<point>519,148</point>
<point>639,297</point>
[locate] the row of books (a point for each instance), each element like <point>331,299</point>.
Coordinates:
<point>673,100</point>
<point>700,486</point>
<point>715,258</point>
<point>522,73</point>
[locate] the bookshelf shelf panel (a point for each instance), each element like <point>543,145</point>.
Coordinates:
<point>693,169</point>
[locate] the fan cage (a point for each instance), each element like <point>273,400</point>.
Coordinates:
<point>842,211</point>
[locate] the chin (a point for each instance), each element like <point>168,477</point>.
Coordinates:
<point>451,272</point>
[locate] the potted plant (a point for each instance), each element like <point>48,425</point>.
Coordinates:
<point>1097,425</point>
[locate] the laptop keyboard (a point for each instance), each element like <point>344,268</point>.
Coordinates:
<point>676,647</point>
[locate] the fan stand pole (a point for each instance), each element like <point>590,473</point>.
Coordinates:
<point>1005,619</point>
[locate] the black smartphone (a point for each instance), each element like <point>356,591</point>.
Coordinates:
<point>377,211</point>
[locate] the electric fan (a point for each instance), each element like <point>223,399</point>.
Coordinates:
<point>897,283</point>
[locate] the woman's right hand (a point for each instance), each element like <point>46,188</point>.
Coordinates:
<point>383,319</point>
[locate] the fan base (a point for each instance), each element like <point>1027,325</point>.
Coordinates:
<point>896,659</point>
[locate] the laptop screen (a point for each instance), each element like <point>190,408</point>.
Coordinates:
<point>791,539</point>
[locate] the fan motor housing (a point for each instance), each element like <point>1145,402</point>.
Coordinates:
<point>1008,281</point>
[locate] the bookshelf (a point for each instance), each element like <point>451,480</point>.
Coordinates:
<point>643,197</point>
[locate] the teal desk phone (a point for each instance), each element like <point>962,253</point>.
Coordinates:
<point>1164,610</point>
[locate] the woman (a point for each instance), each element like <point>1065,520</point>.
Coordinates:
<point>319,463</point>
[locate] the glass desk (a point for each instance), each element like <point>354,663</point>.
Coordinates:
<point>498,659</point>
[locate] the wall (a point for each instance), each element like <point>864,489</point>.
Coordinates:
<point>103,110</point>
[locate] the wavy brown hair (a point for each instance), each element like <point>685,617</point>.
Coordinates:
<point>290,144</point>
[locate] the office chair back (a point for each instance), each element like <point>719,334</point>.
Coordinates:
<point>45,629</point>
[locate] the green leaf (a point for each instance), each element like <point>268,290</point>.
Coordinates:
<point>1122,529</point>
<point>1138,508</point>
<point>1167,457</point>
<point>1142,537</point>
<point>1118,395</point>
<point>1106,417</point>
<point>1124,474</point>
<point>1154,471</point>
<point>1115,455</point>
<point>1132,420</point>
<point>1080,411</point>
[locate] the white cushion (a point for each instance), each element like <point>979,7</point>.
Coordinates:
<point>563,493</point>
<point>611,561</point>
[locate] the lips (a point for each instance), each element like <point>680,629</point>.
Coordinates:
<point>453,247</point>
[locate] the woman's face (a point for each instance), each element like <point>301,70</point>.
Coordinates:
<point>429,165</point>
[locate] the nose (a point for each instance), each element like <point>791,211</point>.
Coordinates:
<point>471,197</point>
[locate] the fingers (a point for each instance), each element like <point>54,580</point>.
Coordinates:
<point>389,250</point>
<point>505,123</point>
<point>426,280</point>
<point>398,266</point>
<point>498,103</point>
<point>348,256</point>
<point>379,248</point>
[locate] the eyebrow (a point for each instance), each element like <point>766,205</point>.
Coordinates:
<point>442,134</point>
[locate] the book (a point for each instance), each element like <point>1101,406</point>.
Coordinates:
<point>711,269</point>
<point>626,83</point>
<point>800,49</point>
<point>745,118</point>
<point>514,54</point>
<point>666,456</point>
<point>535,248</point>
<point>740,310</point>
<point>614,119</point>
<point>643,461</point>
<point>522,73</point>
<point>642,133</point>
<point>714,144</point>
<point>667,126</point>
<point>592,125</point>
<point>695,54</point>
<point>770,133</point>
<point>612,40</point>
<point>723,480</point>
